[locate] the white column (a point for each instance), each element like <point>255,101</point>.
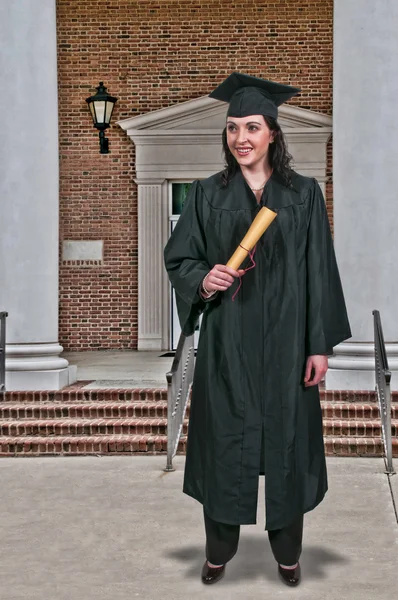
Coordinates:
<point>29,195</point>
<point>365,174</point>
<point>150,264</point>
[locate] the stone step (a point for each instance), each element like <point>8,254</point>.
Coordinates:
<point>80,427</point>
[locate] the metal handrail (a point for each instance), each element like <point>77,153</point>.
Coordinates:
<point>179,383</point>
<point>383,390</point>
<point>3,316</point>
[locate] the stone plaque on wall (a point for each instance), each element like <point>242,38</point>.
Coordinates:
<point>82,253</point>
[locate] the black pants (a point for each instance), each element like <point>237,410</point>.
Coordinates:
<point>222,542</point>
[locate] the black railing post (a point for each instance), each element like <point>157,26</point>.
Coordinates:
<point>3,316</point>
<point>383,390</point>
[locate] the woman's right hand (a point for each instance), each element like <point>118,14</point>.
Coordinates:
<point>221,277</point>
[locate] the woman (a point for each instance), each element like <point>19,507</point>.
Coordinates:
<point>262,352</point>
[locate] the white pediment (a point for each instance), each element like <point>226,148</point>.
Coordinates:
<point>183,141</point>
<point>207,116</point>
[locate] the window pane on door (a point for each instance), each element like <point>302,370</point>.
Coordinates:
<point>179,193</point>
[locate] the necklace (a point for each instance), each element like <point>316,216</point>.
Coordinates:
<point>260,188</point>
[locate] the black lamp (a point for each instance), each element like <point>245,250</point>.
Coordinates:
<point>101,108</point>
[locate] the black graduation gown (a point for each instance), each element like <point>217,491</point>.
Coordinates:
<point>250,412</point>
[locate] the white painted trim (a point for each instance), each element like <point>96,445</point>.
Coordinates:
<point>196,109</point>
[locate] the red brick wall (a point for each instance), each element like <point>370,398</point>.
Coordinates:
<point>151,55</point>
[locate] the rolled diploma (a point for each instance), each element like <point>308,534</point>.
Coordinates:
<point>260,224</point>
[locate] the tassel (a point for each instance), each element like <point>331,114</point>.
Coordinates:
<point>251,254</point>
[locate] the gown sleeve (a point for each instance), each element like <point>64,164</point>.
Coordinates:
<point>327,320</point>
<point>185,258</point>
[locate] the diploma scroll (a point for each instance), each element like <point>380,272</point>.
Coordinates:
<point>260,224</point>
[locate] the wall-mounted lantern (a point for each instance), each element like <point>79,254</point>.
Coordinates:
<point>101,107</point>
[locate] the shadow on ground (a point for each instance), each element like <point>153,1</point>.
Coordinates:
<point>254,560</point>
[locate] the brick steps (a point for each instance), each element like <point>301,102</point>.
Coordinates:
<point>84,395</point>
<point>158,426</point>
<point>79,427</point>
<point>151,394</point>
<point>351,410</point>
<point>357,446</point>
<point>356,428</point>
<point>89,410</point>
<point>86,445</point>
<point>152,408</point>
<point>78,421</point>
<point>150,444</point>
<point>359,397</point>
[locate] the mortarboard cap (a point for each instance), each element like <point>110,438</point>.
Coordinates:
<point>249,95</point>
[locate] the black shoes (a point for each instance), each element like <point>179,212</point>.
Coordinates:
<point>212,574</point>
<point>290,576</point>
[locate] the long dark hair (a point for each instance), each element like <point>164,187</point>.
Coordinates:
<point>279,157</point>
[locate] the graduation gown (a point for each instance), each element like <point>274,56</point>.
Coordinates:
<point>250,412</point>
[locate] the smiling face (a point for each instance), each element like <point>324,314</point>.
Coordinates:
<point>248,139</point>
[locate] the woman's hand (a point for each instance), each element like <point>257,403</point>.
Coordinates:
<point>318,363</point>
<point>221,277</point>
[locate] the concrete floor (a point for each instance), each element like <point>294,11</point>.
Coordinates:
<point>121,368</point>
<point>104,369</point>
<point>113,528</point>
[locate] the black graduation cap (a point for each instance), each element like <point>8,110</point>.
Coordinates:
<point>249,95</point>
